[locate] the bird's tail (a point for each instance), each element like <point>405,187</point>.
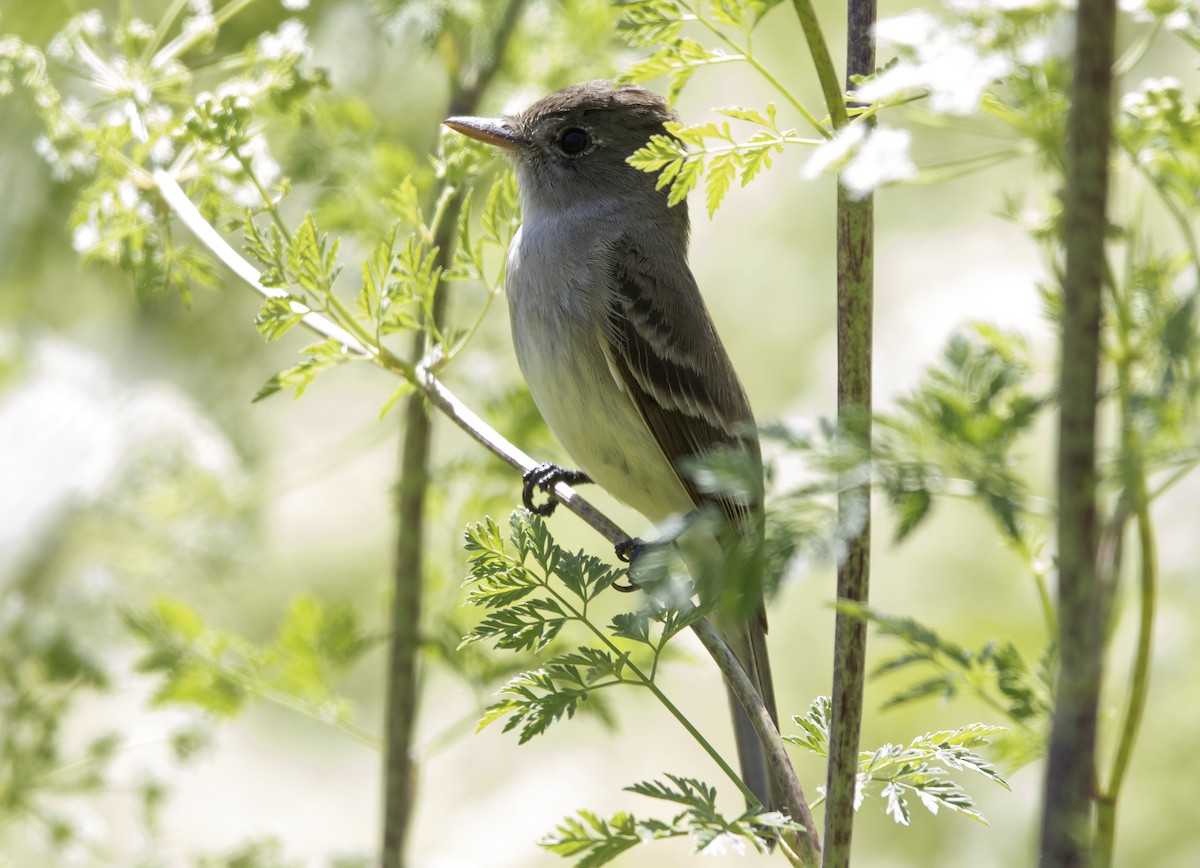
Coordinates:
<point>748,641</point>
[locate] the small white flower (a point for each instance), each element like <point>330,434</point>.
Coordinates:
<point>163,150</point>
<point>912,29</point>
<point>61,48</point>
<point>199,25</point>
<point>127,194</point>
<point>45,149</point>
<point>91,22</point>
<point>881,158</point>
<point>200,7</point>
<point>139,29</point>
<point>722,844</point>
<point>295,5</point>
<point>291,40</point>
<point>1179,20</point>
<point>85,237</point>
<point>157,115</point>
<point>73,109</point>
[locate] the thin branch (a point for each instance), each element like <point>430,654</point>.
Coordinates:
<point>808,845</point>
<point>191,217</point>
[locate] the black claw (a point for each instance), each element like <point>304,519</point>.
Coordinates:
<point>628,551</point>
<point>545,477</point>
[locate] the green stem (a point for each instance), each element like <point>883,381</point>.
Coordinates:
<point>763,71</point>
<point>1139,680</point>
<point>164,24</point>
<point>1177,214</point>
<point>826,71</point>
<point>807,844</point>
<point>648,683</point>
<point>184,41</point>
<point>1137,498</point>
<point>403,675</point>
<point>855,307</point>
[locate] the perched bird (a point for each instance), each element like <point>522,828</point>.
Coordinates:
<point>613,337</point>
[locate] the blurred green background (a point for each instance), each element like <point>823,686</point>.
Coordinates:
<point>132,463</point>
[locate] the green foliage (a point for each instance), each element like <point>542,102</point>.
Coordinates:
<point>532,590</point>
<point>898,773</point>
<point>219,671</point>
<point>711,151</point>
<point>320,357</point>
<point>599,840</point>
<point>996,674</point>
<point>649,22</point>
<point>957,431</point>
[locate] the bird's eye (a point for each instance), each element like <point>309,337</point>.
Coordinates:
<point>573,141</point>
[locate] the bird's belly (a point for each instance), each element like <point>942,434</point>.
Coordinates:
<point>594,419</point>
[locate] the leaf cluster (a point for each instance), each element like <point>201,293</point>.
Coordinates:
<point>898,773</point>
<point>220,671</point>
<point>599,840</point>
<point>957,431</point>
<point>711,151</point>
<point>996,674</point>
<point>532,590</point>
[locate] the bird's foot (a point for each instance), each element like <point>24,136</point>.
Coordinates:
<point>545,477</point>
<point>628,551</point>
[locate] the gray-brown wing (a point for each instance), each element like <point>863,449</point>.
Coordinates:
<point>666,352</point>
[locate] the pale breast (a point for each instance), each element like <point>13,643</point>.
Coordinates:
<point>554,287</point>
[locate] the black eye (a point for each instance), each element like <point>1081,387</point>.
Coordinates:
<point>573,140</point>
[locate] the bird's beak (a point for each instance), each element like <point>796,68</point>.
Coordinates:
<point>490,131</point>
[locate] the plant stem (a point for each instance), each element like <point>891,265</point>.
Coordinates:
<point>818,48</point>
<point>1106,819</point>
<point>1136,499</point>
<point>855,305</point>
<point>808,845</point>
<point>403,674</point>
<point>748,56</point>
<point>403,679</point>
<point>1070,768</point>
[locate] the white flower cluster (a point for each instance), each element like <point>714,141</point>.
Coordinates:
<point>66,43</point>
<point>290,41</point>
<point>867,158</point>
<point>1176,15</point>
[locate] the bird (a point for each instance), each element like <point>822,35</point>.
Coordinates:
<point>615,342</point>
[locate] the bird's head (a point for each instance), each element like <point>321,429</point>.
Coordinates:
<point>571,146</point>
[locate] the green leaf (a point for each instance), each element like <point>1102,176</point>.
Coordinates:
<point>321,357</point>
<point>816,724</point>
<point>647,22</point>
<point>277,315</point>
<point>532,702</point>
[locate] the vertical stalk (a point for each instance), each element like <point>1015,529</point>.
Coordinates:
<point>468,87</point>
<point>404,658</point>
<point>1135,499</point>
<point>855,306</point>
<point>1070,768</point>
